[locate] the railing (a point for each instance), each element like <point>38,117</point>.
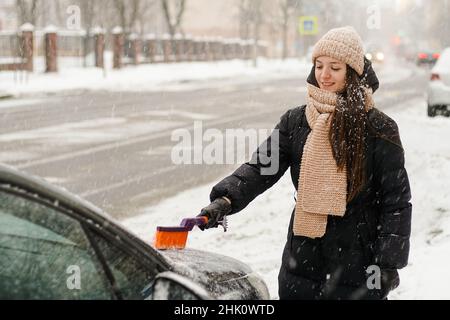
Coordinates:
<point>87,48</point>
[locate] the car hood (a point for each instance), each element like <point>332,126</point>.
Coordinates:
<point>223,277</point>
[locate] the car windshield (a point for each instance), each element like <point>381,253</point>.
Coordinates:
<point>39,249</point>
<point>19,228</point>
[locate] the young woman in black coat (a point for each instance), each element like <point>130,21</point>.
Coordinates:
<point>349,231</point>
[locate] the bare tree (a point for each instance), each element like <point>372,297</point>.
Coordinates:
<point>145,10</point>
<point>57,6</point>
<point>287,8</point>
<point>173,19</point>
<point>88,12</point>
<point>133,15</point>
<point>120,8</point>
<point>27,11</point>
<point>128,13</point>
<point>140,13</point>
<point>251,20</point>
<point>244,19</point>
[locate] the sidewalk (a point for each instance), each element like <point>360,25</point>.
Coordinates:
<point>150,77</point>
<point>5,95</point>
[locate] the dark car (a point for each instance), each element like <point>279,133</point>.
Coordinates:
<point>427,58</point>
<point>54,245</point>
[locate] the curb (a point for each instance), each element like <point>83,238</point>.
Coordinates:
<point>4,96</point>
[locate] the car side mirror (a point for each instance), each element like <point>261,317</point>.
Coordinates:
<point>172,286</point>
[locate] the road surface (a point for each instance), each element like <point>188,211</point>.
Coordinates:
<point>114,148</point>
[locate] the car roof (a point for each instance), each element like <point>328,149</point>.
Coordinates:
<point>11,176</point>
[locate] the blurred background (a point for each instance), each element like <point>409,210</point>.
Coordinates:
<point>288,28</point>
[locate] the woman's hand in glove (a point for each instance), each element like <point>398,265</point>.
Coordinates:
<point>215,212</point>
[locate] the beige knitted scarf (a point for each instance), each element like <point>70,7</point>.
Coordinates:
<point>322,188</point>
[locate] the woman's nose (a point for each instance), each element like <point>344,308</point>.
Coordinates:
<point>326,73</point>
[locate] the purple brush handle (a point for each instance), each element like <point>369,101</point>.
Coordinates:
<point>186,225</point>
<point>190,223</point>
<point>172,229</point>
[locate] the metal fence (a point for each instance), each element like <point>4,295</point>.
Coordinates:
<point>78,48</point>
<point>11,51</point>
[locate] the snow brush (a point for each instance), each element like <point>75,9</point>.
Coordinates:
<point>176,237</point>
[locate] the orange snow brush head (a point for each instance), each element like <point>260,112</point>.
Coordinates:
<point>176,237</point>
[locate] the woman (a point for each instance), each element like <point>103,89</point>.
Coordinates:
<point>349,231</point>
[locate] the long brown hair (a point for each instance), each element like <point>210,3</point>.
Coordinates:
<point>348,132</point>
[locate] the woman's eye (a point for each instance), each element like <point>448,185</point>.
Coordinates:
<point>335,69</point>
<point>319,67</point>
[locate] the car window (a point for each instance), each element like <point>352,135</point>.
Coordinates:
<point>45,254</point>
<point>133,278</point>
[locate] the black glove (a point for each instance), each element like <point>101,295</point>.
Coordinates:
<point>215,212</point>
<point>389,281</point>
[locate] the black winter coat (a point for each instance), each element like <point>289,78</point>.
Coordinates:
<point>374,231</point>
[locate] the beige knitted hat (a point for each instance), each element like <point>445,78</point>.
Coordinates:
<point>343,44</point>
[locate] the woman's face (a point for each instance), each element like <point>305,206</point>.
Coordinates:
<point>330,74</point>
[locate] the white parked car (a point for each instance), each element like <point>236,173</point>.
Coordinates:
<point>439,86</point>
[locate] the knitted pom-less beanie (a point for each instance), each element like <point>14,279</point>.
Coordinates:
<point>343,44</point>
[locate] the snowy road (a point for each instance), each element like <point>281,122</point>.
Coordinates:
<point>114,148</point>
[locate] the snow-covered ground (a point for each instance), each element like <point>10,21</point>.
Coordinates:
<point>149,77</point>
<point>428,163</point>
<point>158,77</point>
<point>257,234</point>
